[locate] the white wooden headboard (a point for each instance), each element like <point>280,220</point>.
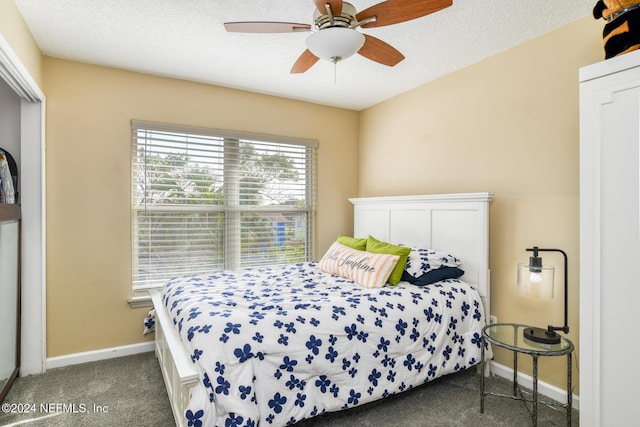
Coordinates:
<point>457,223</point>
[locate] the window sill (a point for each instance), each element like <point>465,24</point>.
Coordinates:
<point>140,302</point>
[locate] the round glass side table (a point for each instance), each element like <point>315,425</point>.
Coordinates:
<point>511,337</point>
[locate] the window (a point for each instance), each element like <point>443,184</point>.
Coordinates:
<point>205,200</point>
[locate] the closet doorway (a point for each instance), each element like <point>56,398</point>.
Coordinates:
<point>22,106</point>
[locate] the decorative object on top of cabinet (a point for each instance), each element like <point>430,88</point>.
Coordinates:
<point>8,178</point>
<point>621,33</point>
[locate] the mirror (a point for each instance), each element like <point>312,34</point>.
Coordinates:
<point>9,296</point>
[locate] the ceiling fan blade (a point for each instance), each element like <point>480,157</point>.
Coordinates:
<point>379,51</point>
<point>265,27</point>
<point>304,62</point>
<point>336,6</point>
<point>395,11</point>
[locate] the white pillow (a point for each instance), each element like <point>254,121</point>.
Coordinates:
<point>421,261</point>
<point>365,268</point>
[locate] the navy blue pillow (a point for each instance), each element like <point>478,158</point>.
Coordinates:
<point>406,277</point>
<point>436,275</point>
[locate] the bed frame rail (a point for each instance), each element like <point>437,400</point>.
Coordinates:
<point>179,373</point>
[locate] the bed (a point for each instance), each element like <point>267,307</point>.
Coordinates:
<point>276,345</point>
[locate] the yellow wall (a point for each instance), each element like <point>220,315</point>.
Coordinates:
<point>508,125</point>
<point>89,109</point>
<point>15,31</point>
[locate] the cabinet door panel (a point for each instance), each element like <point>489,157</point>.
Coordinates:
<point>609,245</point>
<point>620,243</point>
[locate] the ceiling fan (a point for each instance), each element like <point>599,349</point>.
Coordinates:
<point>334,36</point>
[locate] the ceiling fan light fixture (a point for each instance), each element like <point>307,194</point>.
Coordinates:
<point>335,44</point>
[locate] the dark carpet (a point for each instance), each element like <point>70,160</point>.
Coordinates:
<point>129,391</point>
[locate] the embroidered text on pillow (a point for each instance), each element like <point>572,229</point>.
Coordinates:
<point>349,261</point>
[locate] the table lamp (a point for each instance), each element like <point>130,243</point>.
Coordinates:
<point>536,280</point>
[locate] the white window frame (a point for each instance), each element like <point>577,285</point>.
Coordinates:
<point>232,208</point>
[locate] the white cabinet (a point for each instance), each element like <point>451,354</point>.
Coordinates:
<point>609,241</point>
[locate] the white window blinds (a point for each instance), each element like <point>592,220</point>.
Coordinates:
<point>206,200</point>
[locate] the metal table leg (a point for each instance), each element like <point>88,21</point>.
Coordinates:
<point>569,390</point>
<point>535,390</point>
<point>515,373</point>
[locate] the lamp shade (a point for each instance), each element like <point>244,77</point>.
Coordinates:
<point>536,282</point>
<point>336,43</point>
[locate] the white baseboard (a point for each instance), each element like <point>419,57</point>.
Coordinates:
<point>92,356</point>
<point>545,389</point>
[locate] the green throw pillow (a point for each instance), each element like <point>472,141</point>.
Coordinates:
<point>377,247</point>
<point>357,243</point>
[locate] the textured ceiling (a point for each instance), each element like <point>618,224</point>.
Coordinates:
<point>186,39</point>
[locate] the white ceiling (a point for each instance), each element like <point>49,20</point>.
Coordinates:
<point>186,39</point>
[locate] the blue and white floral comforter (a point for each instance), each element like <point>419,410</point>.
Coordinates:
<point>276,345</point>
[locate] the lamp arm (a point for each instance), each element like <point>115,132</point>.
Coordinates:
<point>564,328</point>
